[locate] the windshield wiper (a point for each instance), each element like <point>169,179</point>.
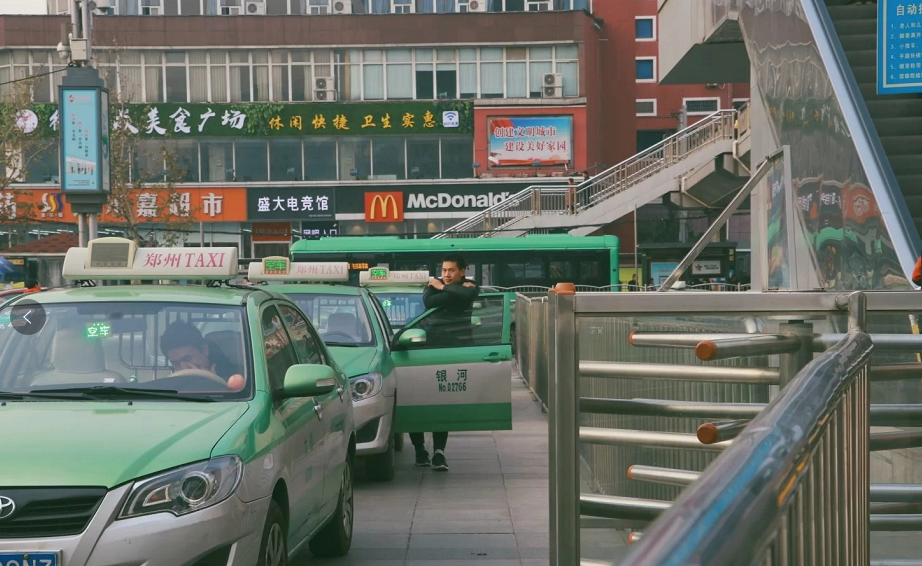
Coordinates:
<point>113,391</point>
<point>59,395</point>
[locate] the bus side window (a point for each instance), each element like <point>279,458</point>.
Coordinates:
<point>562,271</point>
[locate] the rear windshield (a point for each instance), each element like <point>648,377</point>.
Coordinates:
<point>401,308</point>
<point>341,320</point>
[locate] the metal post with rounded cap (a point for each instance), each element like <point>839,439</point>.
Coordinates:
<point>566,424</point>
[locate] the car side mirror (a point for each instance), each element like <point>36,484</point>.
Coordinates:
<point>475,321</point>
<point>308,380</point>
<point>411,337</point>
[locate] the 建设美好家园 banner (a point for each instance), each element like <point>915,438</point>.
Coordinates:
<point>531,141</point>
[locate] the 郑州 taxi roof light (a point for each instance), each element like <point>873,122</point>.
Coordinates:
<point>384,276</point>
<point>284,270</point>
<point>120,258</point>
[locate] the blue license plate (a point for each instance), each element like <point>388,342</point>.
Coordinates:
<point>28,559</point>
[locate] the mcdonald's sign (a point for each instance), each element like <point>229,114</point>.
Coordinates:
<point>384,207</point>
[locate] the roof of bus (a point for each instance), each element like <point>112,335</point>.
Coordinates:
<point>395,244</point>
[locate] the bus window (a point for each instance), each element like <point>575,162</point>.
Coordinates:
<point>562,271</point>
<point>527,271</point>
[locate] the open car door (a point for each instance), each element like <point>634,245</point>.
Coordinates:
<point>451,378</point>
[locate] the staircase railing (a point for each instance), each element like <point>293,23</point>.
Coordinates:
<point>550,200</point>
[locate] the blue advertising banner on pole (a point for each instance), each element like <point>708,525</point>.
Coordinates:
<point>899,46</point>
<point>84,137</point>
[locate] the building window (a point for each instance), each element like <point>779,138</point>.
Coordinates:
<point>701,106</point>
<point>402,6</point>
<point>645,70</point>
<point>646,107</point>
<point>283,75</point>
<point>645,28</point>
<point>740,102</point>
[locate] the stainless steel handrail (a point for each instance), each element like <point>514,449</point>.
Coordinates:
<point>790,483</point>
<point>614,180</point>
<point>840,444</point>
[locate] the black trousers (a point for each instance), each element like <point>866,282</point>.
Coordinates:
<point>439,440</point>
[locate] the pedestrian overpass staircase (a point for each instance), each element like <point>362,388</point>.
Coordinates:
<point>704,164</point>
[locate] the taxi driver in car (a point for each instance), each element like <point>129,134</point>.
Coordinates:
<point>187,349</point>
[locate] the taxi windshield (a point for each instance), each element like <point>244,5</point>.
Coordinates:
<point>401,308</point>
<point>127,350</point>
<point>341,320</point>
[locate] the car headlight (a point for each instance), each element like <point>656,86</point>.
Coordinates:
<point>185,489</point>
<point>365,386</point>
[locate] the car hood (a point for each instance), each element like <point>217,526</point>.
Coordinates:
<point>107,443</point>
<point>354,360</point>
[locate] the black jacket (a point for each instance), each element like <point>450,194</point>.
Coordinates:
<point>451,324</point>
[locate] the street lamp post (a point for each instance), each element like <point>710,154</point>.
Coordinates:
<point>83,107</point>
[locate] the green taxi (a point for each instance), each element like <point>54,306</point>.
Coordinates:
<point>355,329</point>
<point>169,424</point>
<point>432,379</point>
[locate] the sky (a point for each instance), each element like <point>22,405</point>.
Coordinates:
<point>23,6</point>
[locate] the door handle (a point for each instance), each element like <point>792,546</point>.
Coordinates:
<point>495,357</point>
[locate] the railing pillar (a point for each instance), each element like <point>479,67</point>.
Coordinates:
<point>791,363</point>
<point>550,329</point>
<point>567,425</point>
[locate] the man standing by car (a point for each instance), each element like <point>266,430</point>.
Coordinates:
<point>450,326</point>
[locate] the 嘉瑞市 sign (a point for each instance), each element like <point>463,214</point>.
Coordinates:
<point>281,120</point>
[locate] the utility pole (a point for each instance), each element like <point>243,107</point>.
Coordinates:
<point>83,107</point>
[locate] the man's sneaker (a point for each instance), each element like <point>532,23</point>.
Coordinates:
<point>422,459</point>
<point>439,463</point>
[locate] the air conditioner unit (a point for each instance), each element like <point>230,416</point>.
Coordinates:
<point>552,86</point>
<point>323,83</point>
<point>472,6</point>
<point>324,96</point>
<point>539,6</point>
<point>104,8</point>
<point>230,10</point>
<point>150,10</point>
<point>342,6</point>
<point>255,9</point>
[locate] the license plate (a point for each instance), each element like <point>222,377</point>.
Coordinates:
<point>28,559</point>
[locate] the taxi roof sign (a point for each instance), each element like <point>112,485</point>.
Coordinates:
<point>281,269</point>
<point>120,258</point>
<point>384,276</point>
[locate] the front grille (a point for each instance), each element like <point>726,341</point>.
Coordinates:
<point>49,512</point>
<point>369,432</point>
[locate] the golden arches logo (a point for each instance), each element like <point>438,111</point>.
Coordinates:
<point>380,203</point>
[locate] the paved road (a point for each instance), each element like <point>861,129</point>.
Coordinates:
<point>489,510</point>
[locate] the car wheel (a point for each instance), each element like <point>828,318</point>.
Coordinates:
<point>335,538</point>
<point>273,549</point>
<point>380,467</point>
<point>398,441</point>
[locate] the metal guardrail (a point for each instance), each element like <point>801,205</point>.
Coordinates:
<point>556,200</point>
<point>829,397</point>
<point>792,489</point>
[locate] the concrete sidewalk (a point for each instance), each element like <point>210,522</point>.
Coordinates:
<point>490,509</point>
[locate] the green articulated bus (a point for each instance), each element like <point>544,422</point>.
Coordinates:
<point>536,261</point>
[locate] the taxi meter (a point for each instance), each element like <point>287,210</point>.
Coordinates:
<point>120,258</point>
<point>279,268</point>
<point>384,276</point>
